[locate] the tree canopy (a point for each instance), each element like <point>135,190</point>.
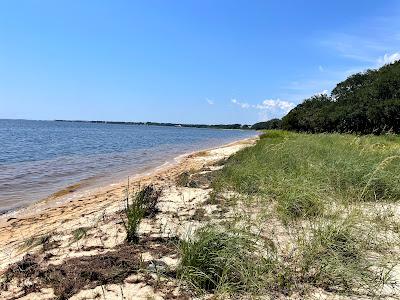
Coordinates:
<point>367,102</point>
<point>271,124</point>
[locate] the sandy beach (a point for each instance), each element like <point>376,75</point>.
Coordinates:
<point>48,227</point>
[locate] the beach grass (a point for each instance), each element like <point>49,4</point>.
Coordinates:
<point>323,195</point>
<point>302,172</point>
<point>225,262</point>
<point>337,257</point>
<point>141,204</point>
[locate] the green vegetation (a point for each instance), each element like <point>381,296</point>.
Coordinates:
<point>315,201</point>
<point>143,204</point>
<point>271,124</point>
<point>303,171</point>
<point>222,261</point>
<point>367,102</point>
<point>34,241</point>
<point>336,257</point>
<point>134,214</point>
<point>183,179</point>
<point>79,233</point>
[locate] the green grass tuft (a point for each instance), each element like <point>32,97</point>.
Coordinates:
<point>221,261</point>
<point>143,204</point>
<point>338,257</point>
<point>79,233</point>
<point>294,206</point>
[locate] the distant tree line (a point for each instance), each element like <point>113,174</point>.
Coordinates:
<point>217,126</point>
<point>271,124</point>
<point>367,102</point>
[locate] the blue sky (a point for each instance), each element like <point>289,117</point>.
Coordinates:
<point>205,61</point>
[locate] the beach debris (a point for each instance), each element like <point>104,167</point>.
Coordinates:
<point>31,274</point>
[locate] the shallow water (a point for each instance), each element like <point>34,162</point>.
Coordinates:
<point>39,158</point>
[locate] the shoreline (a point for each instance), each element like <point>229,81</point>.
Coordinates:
<point>91,186</point>
<point>64,213</point>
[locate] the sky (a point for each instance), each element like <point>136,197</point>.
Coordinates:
<point>193,61</point>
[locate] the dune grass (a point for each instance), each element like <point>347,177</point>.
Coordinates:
<point>303,171</point>
<point>228,262</point>
<point>143,204</point>
<point>333,256</point>
<point>323,190</point>
<point>338,256</point>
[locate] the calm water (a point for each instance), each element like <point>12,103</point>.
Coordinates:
<point>38,158</point>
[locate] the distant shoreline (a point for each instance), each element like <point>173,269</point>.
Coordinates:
<point>214,126</point>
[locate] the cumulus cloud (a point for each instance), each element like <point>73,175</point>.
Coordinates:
<point>273,108</point>
<point>268,104</point>
<point>209,101</point>
<point>269,108</point>
<point>273,104</point>
<point>389,58</point>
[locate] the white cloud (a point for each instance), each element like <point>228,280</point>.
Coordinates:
<point>320,68</point>
<point>389,58</point>
<point>209,101</point>
<point>277,104</point>
<point>273,108</point>
<point>269,108</point>
<point>241,104</point>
